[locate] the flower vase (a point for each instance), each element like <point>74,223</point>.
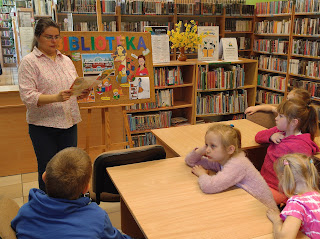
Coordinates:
<point>182,56</point>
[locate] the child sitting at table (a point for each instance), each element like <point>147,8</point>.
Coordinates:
<point>298,179</point>
<point>297,124</point>
<point>222,153</point>
<point>64,213</point>
<point>298,93</point>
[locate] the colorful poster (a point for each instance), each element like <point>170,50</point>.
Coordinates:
<point>93,64</point>
<point>209,49</point>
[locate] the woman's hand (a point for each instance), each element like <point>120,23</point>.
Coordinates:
<point>276,137</point>
<point>84,94</point>
<point>64,95</point>
<point>198,170</point>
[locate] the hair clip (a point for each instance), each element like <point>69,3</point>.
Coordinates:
<point>285,162</point>
<point>311,160</point>
<point>231,125</point>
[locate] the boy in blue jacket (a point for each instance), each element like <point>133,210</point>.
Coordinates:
<point>62,212</point>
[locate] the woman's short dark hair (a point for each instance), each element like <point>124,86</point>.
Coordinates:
<point>41,25</point>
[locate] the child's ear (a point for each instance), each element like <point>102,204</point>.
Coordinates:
<point>294,122</point>
<point>86,189</point>
<point>44,176</point>
<point>231,149</point>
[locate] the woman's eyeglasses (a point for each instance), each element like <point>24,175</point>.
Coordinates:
<point>50,38</point>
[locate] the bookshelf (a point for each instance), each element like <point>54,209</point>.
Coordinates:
<point>271,47</point>
<point>225,89</point>
<point>112,15</point>
<point>174,86</point>
<point>8,53</point>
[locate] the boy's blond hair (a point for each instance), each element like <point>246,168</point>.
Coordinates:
<point>228,135</point>
<point>292,167</point>
<point>68,173</point>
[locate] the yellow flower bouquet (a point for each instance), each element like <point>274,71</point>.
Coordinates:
<point>189,39</point>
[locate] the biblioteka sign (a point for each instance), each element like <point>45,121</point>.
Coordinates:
<point>72,43</point>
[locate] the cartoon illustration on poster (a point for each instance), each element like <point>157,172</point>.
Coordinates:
<point>120,54</point>
<point>93,64</point>
<point>142,69</point>
<point>122,75</point>
<point>140,88</point>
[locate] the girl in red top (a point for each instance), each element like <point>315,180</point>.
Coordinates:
<point>297,124</point>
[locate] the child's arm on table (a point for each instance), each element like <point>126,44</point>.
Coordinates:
<point>267,108</point>
<point>197,157</point>
<point>287,229</point>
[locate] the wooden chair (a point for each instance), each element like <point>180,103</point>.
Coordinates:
<point>9,209</point>
<point>265,119</point>
<point>102,187</point>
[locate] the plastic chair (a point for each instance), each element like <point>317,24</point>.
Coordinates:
<point>102,185</point>
<point>9,209</point>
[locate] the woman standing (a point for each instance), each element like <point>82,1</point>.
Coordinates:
<point>45,78</point>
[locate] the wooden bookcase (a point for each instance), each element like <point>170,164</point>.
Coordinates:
<point>212,92</point>
<point>181,100</point>
<point>8,52</point>
<point>271,48</point>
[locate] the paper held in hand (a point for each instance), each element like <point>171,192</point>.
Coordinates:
<point>82,83</point>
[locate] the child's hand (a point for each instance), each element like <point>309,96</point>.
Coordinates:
<point>198,170</point>
<point>273,215</point>
<point>276,137</point>
<point>250,110</point>
<point>202,150</point>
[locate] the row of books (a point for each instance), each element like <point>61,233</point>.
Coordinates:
<point>8,2</point>
<point>143,139</point>
<point>161,119</point>
<point>5,24</point>
<point>307,6</point>
<point>238,9</point>
<point>4,16</point>
<point>199,8</point>
<point>272,27</point>
<point>7,33</point>
<point>79,26</point>
<point>272,63</point>
<point>42,7</point>
<point>6,42</point>
<point>306,47</point>
<point>142,106</point>
<point>76,6</point>
<point>110,26</point>
<point>244,43</point>
<point>305,67</point>
<point>312,87</point>
<point>270,8</point>
<point>9,60</point>
<point>166,76</point>
<point>164,7</point>
<point>5,9</point>
<point>268,97</point>
<point>8,51</point>
<point>139,26</point>
<point>233,25</point>
<point>272,81</point>
<point>306,26</point>
<point>271,45</point>
<point>108,6</point>
<point>221,103</point>
<point>220,78</point>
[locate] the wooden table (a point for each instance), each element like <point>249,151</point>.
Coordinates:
<point>164,199</point>
<point>179,141</point>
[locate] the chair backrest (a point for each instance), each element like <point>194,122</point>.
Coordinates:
<point>265,119</point>
<point>101,181</point>
<point>8,210</point>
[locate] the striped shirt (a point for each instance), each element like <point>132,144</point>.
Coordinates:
<point>38,74</point>
<point>305,207</point>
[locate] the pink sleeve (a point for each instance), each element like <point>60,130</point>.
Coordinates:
<point>293,208</point>
<point>28,84</point>
<point>229,176</point>
<point>194,158</point>
<point>263,136</point>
